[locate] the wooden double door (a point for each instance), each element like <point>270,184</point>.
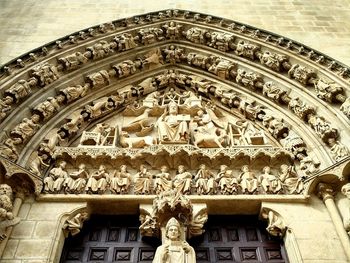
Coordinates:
<point>227,239</point>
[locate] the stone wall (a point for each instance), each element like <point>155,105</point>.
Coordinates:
<point>322,24</point>
<point>39,236</point>
<point>34,239</point>
<point>313,229</point>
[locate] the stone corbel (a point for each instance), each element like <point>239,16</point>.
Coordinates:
<point>13,170</point>
<point>275,223</point>
<point>73,225</point>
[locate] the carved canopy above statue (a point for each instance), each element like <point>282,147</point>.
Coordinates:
<point>173,99</point>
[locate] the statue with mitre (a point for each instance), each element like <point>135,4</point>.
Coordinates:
<point>174,249</point>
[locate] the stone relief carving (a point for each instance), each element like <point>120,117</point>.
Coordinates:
<point>143,180</point>
<point>6,206</point>
<point>300,108</point>
<point>345,107</point>
<point>338,150</point>
<point>75,182</point>
<point>302,74</point>
<point>276,226</point>
<point>120,181</point>
<point>275,93</point>
<point>75,60</point>
<point>245,49</point>
<point>269,182</point>
<point>162,180</point>
<point>274,61</point>
<point>291,181</point>
<point>329,91</point>
<point>45,74</point>
<point>74,225</point>
<point>344,207</point>
<point>8,150</point>
<point>53,183</point>
<point>98,181</point>
<point>249,79</point>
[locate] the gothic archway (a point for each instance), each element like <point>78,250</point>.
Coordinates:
<point>251,116</point>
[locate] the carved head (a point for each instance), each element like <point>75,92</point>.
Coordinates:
<point>181,169</point>
<point>123,168</point>
<point>223,168</point>
<point>267,169</point>
<point>245,168</point>
<point>173,108</point>
<point>5,189</point>
<point>81,166</point>
<point>164,169</point>
<point>173,229</point>
<point>102,168</point>
<point>346,190</point>
<point>62,164</point>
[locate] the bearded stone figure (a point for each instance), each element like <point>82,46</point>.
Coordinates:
<point>174,248</point>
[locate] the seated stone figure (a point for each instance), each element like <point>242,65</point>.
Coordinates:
<point>143,180</point>
<point>54,181</point>
<point>162,180</point>
<point>172,127</point>
<point>175,249</point>
<point>249,183</point>
<point>183,180</point>
<point>98,181</point>
<point>120,182</point>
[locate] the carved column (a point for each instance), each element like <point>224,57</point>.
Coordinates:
<point>326,192</point>
<point>17,203</point>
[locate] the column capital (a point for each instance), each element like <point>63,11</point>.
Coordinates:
<point>325,191</point>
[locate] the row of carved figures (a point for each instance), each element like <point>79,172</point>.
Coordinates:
<point>44,74</point>
<point>144,182</point>
<point>169,30</point>
<point>45,110</point>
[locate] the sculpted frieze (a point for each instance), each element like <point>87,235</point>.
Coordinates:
<point>146,180</point>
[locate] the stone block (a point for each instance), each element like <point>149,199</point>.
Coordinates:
<point>50,211</point>
<point>319,248</point>
<point>28,249</point>
<point>23,212</point>
<point>10,261</point>
<point>23,230</point>
<point>304,229</point>
<point>10,249</point>
<point>45,229</point>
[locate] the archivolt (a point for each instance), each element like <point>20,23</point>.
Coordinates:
<point>232,62</point>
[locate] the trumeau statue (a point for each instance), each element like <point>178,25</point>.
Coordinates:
<point>175,249</point>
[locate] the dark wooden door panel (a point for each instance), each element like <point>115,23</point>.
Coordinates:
<point>227,239</point>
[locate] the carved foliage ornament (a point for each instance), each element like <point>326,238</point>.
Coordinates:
<point>170,204</point>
